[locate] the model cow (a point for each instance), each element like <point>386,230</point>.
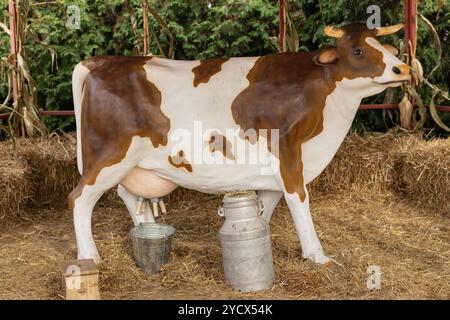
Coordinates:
<point>132,113</point>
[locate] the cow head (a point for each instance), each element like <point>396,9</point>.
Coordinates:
<point>358,56</point>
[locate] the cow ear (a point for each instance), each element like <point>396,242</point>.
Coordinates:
<point>391,48</point>
<point>327,55</point>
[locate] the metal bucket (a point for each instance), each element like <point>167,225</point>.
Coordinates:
<point>152,243</point>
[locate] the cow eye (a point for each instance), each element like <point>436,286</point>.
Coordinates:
<point>358,52</point>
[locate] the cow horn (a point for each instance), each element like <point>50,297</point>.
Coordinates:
<point>332,32</point>
<point>385,31</point>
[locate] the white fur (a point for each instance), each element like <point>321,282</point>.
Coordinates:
<point>108,178</point>
<point>270,200</point>
<point>391,61</point>
<point>311,247</point>
<point>340,109</point>
<point>78,77</point>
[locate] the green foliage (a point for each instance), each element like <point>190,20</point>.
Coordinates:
<point>226,28</point>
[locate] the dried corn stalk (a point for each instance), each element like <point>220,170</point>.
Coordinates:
<point>142,43</point>
<point>417,73</point>
<point>406,112</point>
<point>291,37</point>
<point>24,116</point>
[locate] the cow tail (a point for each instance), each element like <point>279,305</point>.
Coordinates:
<point>78,77</point>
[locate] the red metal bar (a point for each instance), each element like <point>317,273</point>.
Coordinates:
<point>71,113</point>
<point>410,27</point>
<point>411,32</point>
<point>13,44</point>
<point>282,25</point>
<point>407,13</point>
<point>50,113</point>
<point>395,106</point>
<point>378,106</point>
<point>57,113</point>
<point>443,108</point>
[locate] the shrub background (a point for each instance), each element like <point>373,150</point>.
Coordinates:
<point>227,28</point>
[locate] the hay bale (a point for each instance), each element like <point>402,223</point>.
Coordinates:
<point>423,172</point>
<point>51,168</point>
<point>44,172</point>
<point>361,162</point>
<point>15,188</point>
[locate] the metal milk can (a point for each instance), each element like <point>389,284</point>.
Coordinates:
<point>245,242</point>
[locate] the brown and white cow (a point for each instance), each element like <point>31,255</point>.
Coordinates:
<point>148,125</point>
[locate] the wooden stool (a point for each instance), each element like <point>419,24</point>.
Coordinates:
<point>81,280</point>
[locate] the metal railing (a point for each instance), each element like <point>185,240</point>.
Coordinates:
<point>71,113</point>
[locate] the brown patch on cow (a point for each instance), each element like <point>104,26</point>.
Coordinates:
<point>207,69</point>
<point>288,92</point>
<point>220,143</point>
<point>179,161</point>
<point>119,102</point>
<point>75,194</point>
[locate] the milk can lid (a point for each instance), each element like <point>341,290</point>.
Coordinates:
<point>239,197</point>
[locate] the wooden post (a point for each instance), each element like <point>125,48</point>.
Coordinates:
<point>13,45</point>
<point>282,26</point>
<point>81,280</point>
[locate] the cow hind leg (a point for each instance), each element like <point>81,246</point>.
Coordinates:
<point>83,199</point>
<point>270,200</point>
<point>131,202</point>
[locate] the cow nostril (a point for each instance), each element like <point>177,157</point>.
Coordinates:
<point>396,70</point>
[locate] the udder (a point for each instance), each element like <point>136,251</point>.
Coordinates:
<point>144,183</point>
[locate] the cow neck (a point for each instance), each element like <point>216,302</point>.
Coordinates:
<point>286,92</point>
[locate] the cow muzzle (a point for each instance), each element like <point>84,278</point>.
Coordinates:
<point>400,74</point>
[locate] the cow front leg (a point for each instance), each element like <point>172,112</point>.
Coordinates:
<point>310,243</point>
<point>270,200</point>
<point>131,202</point>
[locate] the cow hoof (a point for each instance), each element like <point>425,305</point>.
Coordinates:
<point>333,266</point>
<point>97,260</point>
<point>318,258</point>
<point>326,262</point>
<point>95,257</point>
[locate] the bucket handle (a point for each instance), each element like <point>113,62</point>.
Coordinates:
<point>260,206</point>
